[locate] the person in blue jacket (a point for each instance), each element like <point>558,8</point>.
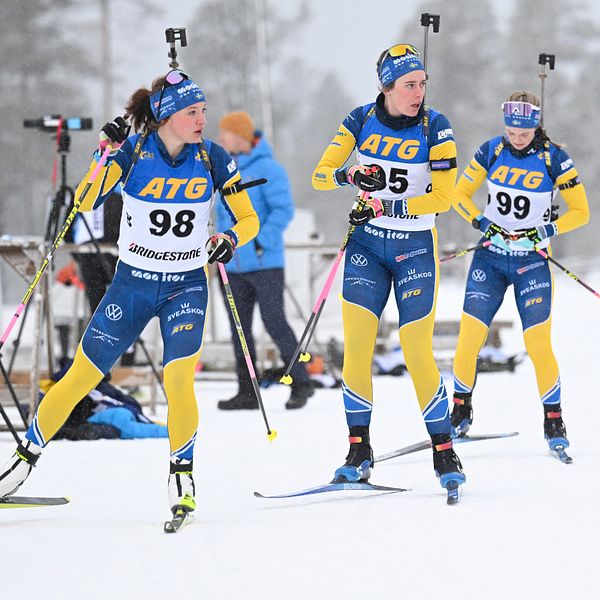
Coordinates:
<point>256,273</point>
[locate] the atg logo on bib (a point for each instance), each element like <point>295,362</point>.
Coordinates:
<point>171,188</point>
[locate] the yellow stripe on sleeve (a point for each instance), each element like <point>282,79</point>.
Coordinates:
<point>107,179</point>
<point>578,210</point>
<point>442,184</point>
<point>334,157</point>
<point>240,205</point>
<point>470,181</point>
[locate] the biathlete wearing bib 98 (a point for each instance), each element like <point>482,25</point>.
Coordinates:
<point>520,193</point>
<point>161,272</point>
<point>398,249</point>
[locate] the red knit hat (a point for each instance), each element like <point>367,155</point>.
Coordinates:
<point>239,123</point>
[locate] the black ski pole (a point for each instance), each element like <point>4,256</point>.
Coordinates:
<point>460,253</point>
<point>567,272</point>
<point>271,433</point>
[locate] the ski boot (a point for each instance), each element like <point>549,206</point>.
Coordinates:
<point>447,465</point>
<point>359,461</point>
<point>301,392</point>
<point>243,400</point>
<point>181,486</point>
<point>555,431</point>
<point>462,414</point>
<point>15,471</point>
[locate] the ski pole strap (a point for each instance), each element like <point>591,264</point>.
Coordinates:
<point>238,187</point>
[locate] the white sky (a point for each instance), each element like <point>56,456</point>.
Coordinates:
<point>346,35</point>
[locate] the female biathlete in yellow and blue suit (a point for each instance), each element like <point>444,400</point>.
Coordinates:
<point>407,160</point>
<point>522,169</point>
<point>169,177</point>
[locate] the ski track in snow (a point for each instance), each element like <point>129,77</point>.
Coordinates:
<point>526,525</point>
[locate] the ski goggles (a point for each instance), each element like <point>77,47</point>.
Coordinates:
<point>177,93</point>
<point>400,50</point>
<point>397,61</point>
<point>521,114</point>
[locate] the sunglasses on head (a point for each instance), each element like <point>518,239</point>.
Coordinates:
<point>398,50</point>
<point>171,78</point>
<point>519,109</point>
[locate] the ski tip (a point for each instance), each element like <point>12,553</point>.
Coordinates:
<point>258,495</point>
<point>271,435</point>
<point>286,379</point>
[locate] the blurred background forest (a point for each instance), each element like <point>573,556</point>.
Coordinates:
<point>314,62</point>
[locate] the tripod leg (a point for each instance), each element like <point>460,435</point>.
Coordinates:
<point>151,362</point>
<point>11,390</point>
<point>9,425</point>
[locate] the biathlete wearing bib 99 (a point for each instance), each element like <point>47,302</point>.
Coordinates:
<point>398,249</point>
<point>521,187</point>
<point>161,272</point>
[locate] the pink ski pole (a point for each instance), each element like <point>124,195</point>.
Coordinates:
<point>567,272</point>
<point>301,348</point>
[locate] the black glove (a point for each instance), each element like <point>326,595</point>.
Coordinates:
<point>114,132</point>
<point>368,178</point>
<point>372,208</point>
<point>494,229</point>
<point>220,248</point>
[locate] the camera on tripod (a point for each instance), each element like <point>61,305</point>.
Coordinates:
<point>50,123</point>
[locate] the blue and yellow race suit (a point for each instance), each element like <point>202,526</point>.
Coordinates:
<point>161,273</point>
<point>521,187</point>
<point>396,251</point>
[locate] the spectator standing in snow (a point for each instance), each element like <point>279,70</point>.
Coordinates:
<point>256,273</point>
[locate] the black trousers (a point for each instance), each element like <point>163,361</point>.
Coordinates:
<point>264,288</point>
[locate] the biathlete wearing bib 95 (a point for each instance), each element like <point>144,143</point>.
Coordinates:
<point>521,186</point>
<point>397,249</point>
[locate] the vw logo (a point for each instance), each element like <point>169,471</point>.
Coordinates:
<point>113,312</point>
<point>359,260</point>
<point>478,275</point>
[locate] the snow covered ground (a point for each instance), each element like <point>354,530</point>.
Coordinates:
<point>526,526</point>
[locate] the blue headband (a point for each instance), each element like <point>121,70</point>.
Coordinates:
<point>521,114</point>
<point>394,67</point>
<point>174,98</point>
